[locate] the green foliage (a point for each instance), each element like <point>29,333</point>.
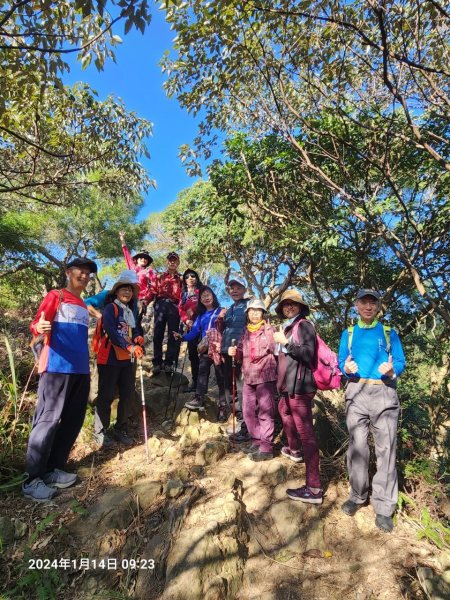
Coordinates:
<point>428,527</point>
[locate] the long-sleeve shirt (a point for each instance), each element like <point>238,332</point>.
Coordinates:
<point>256,352</point>
<point>66,347</point>
<point>201,325</point>
<point>188,306</point>
<point>369,349</point>
<point>146,276</point>
<point>168,286</point>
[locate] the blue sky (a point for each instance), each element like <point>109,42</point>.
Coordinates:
<point>136,77</point>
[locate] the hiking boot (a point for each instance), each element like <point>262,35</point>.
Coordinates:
<point>305,494</point>
<point>260,456</point>
<point>59,479</point>
<point>294,455</point>
<point>156,370</point>
<point>350,508</point>
<point>103,439</point>
<point>197,404</point>
<point>37,490</point>
<point>168,368</point>
<point>386,524</point>
<point>122,437</point>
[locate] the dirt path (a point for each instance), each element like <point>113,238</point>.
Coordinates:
<point>201,520</point>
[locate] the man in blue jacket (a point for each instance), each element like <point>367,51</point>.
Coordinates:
<point>371,357</point>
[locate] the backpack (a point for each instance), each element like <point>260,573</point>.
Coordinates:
<point>326,372</point>
<point>100,339</point>
<point>387,337</point>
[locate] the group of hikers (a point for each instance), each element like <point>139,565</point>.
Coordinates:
<point>254,364</point>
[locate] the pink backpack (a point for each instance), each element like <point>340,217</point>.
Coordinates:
<point>326,372</point>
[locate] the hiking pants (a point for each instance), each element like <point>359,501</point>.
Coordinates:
<point>166,315</point>
<point>203,378</point>
<point>375,407</point>
<point>258,409</point>
<point>57,421</point>
<point>194,359</point>
<point>110,376</point>
<point>296,414</point>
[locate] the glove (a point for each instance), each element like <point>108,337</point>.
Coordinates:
<point>139,340</point>
<point>135,351</point>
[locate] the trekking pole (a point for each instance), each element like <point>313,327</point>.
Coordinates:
<point>233,393</point>
<point>180,331</point>
<point>179,384</point>
<point>144,412</point>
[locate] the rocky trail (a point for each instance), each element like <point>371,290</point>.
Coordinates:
<point>202,521</point>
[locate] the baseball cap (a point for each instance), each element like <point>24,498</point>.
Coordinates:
<point>172,255</point>
<point>237,280</point>
<point>83,262</point>
<point>366,292</point>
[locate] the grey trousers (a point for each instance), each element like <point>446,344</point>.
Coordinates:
<point>375,407</point>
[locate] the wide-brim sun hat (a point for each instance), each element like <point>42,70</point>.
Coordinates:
<point>143,254</point>
<point>126,278</point>
<point>256,304</point>
<point>293,296</point>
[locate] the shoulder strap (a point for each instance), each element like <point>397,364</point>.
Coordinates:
<point>387,337</point>
<point>350,338</point>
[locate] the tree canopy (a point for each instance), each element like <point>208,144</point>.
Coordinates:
<point>360,92</point>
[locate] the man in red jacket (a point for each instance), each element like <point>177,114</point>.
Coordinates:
<point>166,291</point>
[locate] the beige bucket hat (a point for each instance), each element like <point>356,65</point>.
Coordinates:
<point>292,295</point>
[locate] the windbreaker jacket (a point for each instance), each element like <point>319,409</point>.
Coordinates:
<point>256,352</point>
<point>295,374</point>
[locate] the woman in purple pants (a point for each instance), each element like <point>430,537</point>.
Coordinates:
<point>259,367</point>
<point>297,354</point>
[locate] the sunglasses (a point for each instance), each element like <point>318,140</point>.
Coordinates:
<point>191,276</point>
<point>289,304</point>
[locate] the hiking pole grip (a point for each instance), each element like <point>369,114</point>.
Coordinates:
<point>233,392</point>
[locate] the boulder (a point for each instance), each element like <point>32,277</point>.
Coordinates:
<point>174,488</point>
<point>147,492</point>
<point>211,452</point>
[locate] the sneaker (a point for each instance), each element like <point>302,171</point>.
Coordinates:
<point>197,404</point>
<point>156,369</point>
<point>260,456</point>
<point>37,490</point>
<point>122,437</point>
<point>59,479</point>
<point>104,440</point>
<point>350,508</point>
<point>295,455</point>
<point>304,494</point>
<point>386,524</point>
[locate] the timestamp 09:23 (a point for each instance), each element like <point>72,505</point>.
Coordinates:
<point>87,564</point>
